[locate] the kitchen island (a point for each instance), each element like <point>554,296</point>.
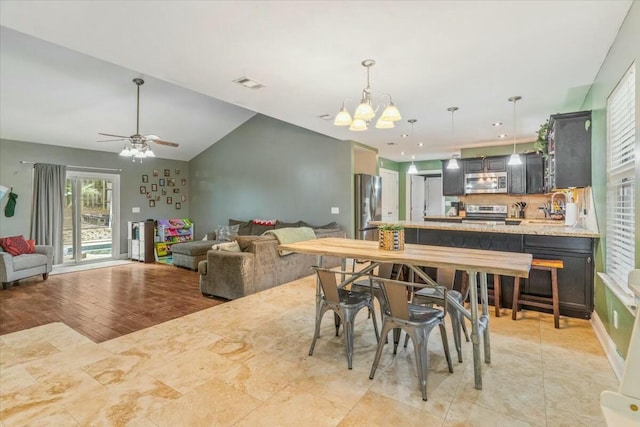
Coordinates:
<point>540,238</point>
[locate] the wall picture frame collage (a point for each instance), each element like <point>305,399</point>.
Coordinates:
<point>155,189</point>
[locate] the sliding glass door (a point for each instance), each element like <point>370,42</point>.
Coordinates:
<point>91,226</point>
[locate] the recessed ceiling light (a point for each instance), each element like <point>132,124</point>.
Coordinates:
<point>497,124</point>
<point>392,143</point>
<point>248,83</point>
<point>402,153</point>
<point>502,135</point>
<point>404,135</point>
<point>326,117</point>
<point>420,144</point>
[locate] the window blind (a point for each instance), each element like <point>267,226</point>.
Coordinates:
<point>621,138</point>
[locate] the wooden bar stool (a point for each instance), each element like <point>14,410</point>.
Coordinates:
<point>552,303</point>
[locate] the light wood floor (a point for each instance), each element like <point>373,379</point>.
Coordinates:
<point>104,303</point>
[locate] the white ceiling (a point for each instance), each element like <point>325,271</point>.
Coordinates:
<point>73,79</point>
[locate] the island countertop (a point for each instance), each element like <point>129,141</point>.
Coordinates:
<point>543,228</point>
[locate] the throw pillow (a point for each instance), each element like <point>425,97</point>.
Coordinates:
<point>229,247</point>
<point>16,245</point>
<point>227,232</point>
<point>245,226</point>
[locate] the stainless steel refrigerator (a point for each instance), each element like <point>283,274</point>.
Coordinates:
<point>368,205</point>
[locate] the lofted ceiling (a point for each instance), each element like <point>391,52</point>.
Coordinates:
<point>66,68</point>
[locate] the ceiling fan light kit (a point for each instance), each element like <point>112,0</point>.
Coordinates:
<point>137,146</point>
<point>365,111</point>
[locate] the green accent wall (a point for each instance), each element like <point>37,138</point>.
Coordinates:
<point>402,191</point>
<point>13,173</point>
<point>623,52</point>
<point>496,150</point>
<point>270,169</point>
<point>388,164</point>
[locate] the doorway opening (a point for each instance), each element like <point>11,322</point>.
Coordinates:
<point>424,195</point>
<point>91,220</point>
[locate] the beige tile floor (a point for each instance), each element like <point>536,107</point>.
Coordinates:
<point>245,363</point>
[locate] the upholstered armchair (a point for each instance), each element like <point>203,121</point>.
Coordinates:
<point>18,267</point>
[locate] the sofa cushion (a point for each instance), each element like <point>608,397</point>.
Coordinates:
<point>16,245</point>
<point>227,232</point>
<point>196,247</point>
<point>260,226</point>
<point>22,262</point>
<point>280,224</point>
<point>244,228</point>
<point>331,225</point>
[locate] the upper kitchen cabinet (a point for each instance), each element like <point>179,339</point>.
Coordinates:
<point>485,164</point>
<point>452,179</point>
<point>527,178</point>
<point>569,138</point>
<point>534,164</point>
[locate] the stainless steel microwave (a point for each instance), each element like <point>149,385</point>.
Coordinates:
<point>487,182</point>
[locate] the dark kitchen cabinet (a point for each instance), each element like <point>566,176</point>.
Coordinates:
<point>516,179</point>
<point>486,164</point>
<point>569,138</point>
<point>575,280</point>
<point>534,165</point>
<point>452,179</point>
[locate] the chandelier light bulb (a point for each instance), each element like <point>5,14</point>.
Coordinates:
<point>358,125</point>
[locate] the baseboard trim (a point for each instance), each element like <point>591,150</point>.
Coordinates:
<point>615,360</point>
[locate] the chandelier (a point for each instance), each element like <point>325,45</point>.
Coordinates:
<point>366,111</point>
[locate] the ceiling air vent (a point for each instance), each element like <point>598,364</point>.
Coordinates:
<point>249,83</point>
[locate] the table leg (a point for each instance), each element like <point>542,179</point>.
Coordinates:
<point>475,335</point>
<point>485,317</point>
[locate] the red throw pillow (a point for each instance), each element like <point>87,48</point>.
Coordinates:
<point>16,245</point>
<point>32,246</point>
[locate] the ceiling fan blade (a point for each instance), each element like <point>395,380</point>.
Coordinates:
<point>111,140</point>
<point>170,144</point>
<point>115,136</point>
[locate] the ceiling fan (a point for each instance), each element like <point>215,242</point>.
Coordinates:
<point>137,146</point>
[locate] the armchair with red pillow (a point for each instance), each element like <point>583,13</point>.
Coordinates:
<point>20,258</point>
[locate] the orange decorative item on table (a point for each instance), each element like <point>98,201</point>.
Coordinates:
<point>391,237</point>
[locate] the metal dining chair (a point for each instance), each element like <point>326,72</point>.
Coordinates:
<point>416,320</point>
<point>446,277</point>
<point>345,304</point>
<point>370,285</point>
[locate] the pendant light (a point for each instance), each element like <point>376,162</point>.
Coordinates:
<point>412,168</point>
<point>514,159</point>
<point>453,163</point>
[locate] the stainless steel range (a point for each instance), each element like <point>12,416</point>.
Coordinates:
<point>486,214</point>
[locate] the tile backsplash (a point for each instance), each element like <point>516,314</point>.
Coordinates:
<point>533,201</point>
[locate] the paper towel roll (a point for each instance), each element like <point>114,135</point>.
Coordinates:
<point>571,214</point>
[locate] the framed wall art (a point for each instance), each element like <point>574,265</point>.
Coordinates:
<point>169,200</point>
<point>167,172</point>
<point>145,178</point>
<point>143,189</point>
<point>152,203</point>
<point>161,182</point>
<point>178,205</point>
<point>154,187</point>
<point>171,182</point>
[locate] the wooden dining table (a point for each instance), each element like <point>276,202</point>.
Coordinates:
<point>476,262</point>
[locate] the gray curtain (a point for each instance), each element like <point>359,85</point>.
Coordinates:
<point>48,207</point>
